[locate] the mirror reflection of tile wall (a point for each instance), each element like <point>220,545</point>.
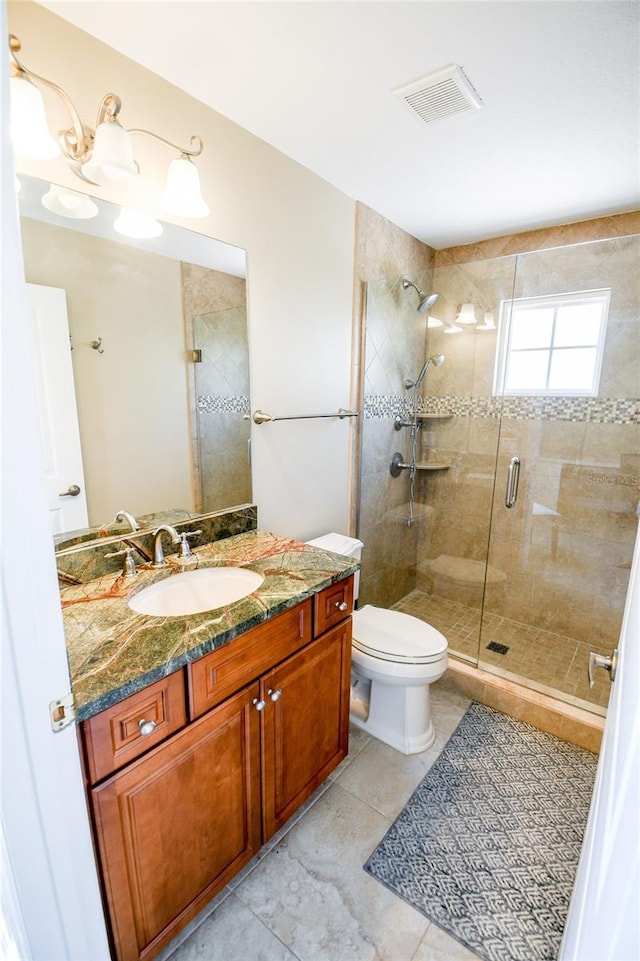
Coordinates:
<point>216,324</point>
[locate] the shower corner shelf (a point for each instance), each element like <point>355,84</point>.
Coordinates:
<point>398,464</point>
<point>400,422</point>
<point>433,465</point>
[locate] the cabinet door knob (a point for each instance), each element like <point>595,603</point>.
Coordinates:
<point>341,605</point>
<point>146,727</point>
<point>259,705</point>
<point>274,695</point>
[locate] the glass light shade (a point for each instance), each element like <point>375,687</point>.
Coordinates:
<point>434,322</point>
<point>452,329</point>
<point>488,323</point>
<point>112,156</point>
<point>29,131</point>
<point>69,203</point>
<point>182,195</point>
<point>136,224</point>
<point>467,315</point>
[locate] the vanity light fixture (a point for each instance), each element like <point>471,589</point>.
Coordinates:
<point>466,315</point>
<point>488,322</point>
<point>137,224</point>
<point>102,156</point>
<point>434,322</point>
<point>69,203</point>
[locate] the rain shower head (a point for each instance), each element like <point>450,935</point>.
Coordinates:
<point>426,300</point>
<point>436,361</point>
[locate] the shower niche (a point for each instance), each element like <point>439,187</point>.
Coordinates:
<point>524,591</point>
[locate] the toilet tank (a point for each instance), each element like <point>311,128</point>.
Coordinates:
<point>341,544</point>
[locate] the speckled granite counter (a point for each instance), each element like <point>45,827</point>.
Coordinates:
<point>114,652</point>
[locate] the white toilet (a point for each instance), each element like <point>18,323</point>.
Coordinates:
<point>395,659</point>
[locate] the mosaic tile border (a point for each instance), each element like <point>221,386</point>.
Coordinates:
<point>593,410</point>
<point>221,404</point>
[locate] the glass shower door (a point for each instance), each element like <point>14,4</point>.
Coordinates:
<point>559,558</point>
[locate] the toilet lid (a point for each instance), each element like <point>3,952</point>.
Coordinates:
<point>394,636</point>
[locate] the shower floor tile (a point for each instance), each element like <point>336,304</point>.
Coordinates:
<point>553,663</point>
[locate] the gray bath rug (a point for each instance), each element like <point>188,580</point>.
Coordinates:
<point>487,846</point>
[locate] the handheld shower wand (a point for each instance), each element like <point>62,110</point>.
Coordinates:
<point>436,361</point>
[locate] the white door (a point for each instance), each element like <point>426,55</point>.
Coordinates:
<point>64,475</point>
<point>604,921</point>
<point>44,815</point>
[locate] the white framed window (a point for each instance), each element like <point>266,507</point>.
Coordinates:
<point>552,344</point>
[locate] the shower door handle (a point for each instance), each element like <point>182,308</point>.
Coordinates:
<point>513,479</point>
<point>607,662</point>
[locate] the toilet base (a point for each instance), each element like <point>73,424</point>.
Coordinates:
<point>398,715</point>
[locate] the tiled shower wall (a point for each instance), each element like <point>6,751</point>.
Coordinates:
<point>389,348</point>
<point>215,312</point>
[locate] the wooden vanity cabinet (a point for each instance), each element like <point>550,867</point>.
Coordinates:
<point>305,731</point>
<point>174,826</point>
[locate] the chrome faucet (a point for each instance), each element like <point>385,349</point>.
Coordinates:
<point>129,518</point>
<point>159,559</point>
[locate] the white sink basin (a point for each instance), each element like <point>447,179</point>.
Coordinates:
<point>192,592</point>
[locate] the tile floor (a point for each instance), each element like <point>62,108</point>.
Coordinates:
<point>306,897</point>
<point>553,663</point>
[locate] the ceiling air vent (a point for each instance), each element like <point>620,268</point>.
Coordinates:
<point>440,94</point>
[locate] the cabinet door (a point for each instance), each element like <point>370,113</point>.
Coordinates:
<point>306,727</point>
<point>176,825</point>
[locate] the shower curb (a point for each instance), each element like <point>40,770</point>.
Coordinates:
<point>572,723</point>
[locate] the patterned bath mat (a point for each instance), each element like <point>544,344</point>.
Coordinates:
<point>487,846</point>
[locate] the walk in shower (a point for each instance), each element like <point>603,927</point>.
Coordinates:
<point>511,521</point>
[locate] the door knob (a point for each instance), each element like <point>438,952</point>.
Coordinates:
<point>607,661</point>
<point>72,491</point>
<point>341,605</point>
<point>146,727</point>
<point>259,704</point>
<point>274,695</point>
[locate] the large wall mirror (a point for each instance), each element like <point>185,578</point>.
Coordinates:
<point>159,360</point>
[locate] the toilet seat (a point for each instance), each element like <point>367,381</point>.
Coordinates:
<point>396,637</point>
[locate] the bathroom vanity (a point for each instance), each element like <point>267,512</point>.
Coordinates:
<point>200,736</point>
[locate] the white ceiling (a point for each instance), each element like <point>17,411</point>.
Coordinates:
<point>556,141</point>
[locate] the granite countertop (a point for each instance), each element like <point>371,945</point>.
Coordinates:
<point>114,652</point>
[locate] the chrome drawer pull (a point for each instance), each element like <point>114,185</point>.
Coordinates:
<point>259,705</point>
<point>146,727</point>
<point>274,695</point>
<point>341,605</point>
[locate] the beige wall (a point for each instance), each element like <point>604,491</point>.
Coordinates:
<point>298,233</point>
<point>132,399</point>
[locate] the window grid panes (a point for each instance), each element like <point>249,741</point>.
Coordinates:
<point>552,345</point>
